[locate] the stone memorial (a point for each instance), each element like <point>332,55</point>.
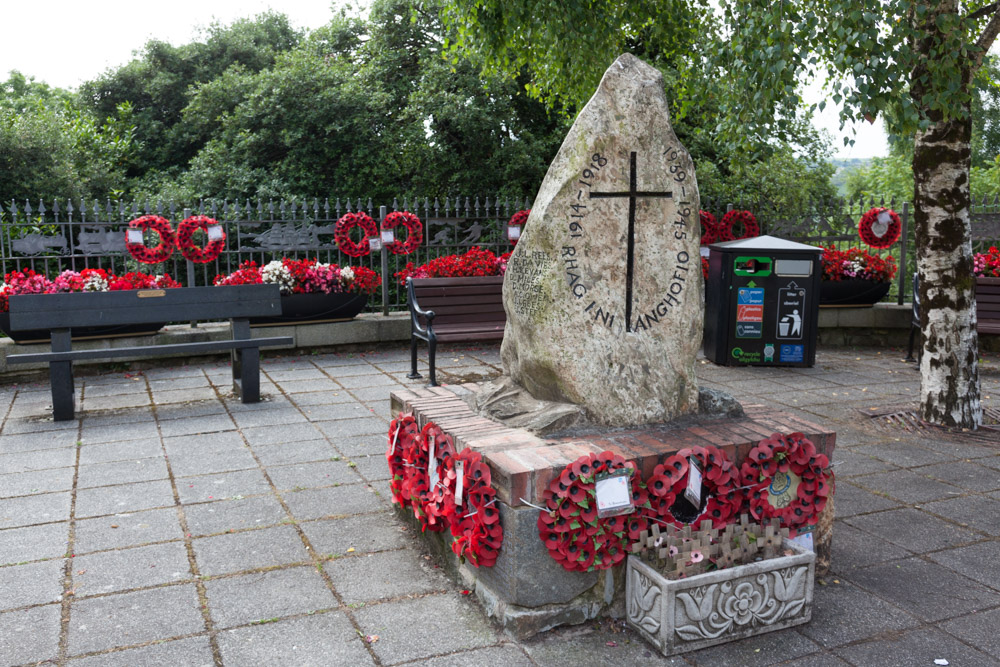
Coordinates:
<point>603,292</point>
<point>603,295</point>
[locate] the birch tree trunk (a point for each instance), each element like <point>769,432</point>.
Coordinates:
<point>949,366</point>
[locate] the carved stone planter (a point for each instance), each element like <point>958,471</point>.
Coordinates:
<point>721,606</point>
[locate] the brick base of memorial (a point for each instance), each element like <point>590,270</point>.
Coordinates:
<point>527,592</point>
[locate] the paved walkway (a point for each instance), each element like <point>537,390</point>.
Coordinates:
<point>170,525</point>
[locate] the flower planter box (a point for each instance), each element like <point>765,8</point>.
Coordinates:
<point>303,308</point>
<point>29,336</point>
<point>717,607</point>
<point>851,292</point>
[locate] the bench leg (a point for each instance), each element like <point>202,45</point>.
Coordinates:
<point>414,375</point>
<point>431,357</point>
<point>246,365</point>
<point>61,378</point>
<point>909,351</point>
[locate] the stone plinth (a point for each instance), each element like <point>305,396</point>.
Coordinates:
<point>528,592</point>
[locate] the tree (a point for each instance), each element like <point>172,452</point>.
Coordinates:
<point>915,59</point>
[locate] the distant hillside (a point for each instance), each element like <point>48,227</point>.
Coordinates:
<point>844,167</point>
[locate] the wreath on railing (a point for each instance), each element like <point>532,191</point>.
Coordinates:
<point>343,238</point>
<point>159,253</point>
<point>740,224</point>
<point>708,226</point>
<point>787,479</point>
<point>878,230</point>
<point>211,227</point>
<point>574,535</point>
<point>517,220</point>
<point>403,431</point>
<point>414,231</point>
<point>721,498</point>
<point>475,522</point>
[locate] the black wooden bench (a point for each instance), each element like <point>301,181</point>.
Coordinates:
<point>987,309</point>
<point>60,313</point>
<point>453,309</point>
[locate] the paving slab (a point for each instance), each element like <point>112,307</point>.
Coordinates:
<point>364,534</point>
<point>979,562</point>
<point>334,501</point>
<point>916,647</point>
<point>127,450</point>
<point>127,569</point>
<point>425,627</point>
<point>189,652</point>
<point>42,459</point>
<point>295,452</point>
<point>908,487</point>
<point>249,550</point>
<point>979,630</point>
<point>38,481</point>
<point>30,636</point>
<point>321,639</point>
<point>312,475</point>
<point>20,545</point>
<point>967,475</point>
<point>896,526</point>
<point>30,510</point>
<point>222,486</point>
<point>126,529</point>
<point>843,614</point>
<point>267,595</point>
<point>382,576</point>
<point>234,515</point>
<point>287,434</point>
<point>977,512</point>
<point>31,584</point>
<point>121,472</point>
<point>124,498</point>
<point>341,429</point>
<point>856,548</point>
<point>201,463</point>
<point>128,619</point>
<point>929,591</point>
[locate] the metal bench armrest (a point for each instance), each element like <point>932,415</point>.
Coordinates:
<point>416,311</point>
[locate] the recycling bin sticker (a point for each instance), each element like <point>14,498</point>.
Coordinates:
<point>750,312</point>
<point>791,311</point>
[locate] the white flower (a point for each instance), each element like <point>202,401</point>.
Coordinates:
<point>346,275</point>
<point>95,284</point>
<point>275,272</point>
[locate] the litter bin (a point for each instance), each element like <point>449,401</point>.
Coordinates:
<point>762,302</point>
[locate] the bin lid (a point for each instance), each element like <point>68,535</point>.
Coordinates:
<point>764,243</point>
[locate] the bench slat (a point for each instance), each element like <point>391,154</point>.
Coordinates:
<point>59,311</point>
<point>482,335</point>
<point>151,350</point>
<point>464,282</point>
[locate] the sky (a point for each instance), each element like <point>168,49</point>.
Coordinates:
<point>67,42</point>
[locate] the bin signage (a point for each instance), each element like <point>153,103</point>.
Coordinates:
<point>792,353</point>
<point>791,310</point>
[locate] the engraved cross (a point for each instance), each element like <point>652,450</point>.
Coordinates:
<point>632,194</point>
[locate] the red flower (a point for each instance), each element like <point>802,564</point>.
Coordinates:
<point>870,219</point>
<point>185,239</point>
<point>159,253</point>
<point>708,227</point>
<point>342,237</point>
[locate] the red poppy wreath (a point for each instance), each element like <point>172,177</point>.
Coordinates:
<point>475,519</point>
<point>787,479</point>
<point>880,227</point>
<point>708,225</point>
<point>574,535</point>
<point>414,231</point>
<point>341,234</point>
<point>156,254</point>
<point>721,499</point>
<point>213,231</point>
<point>402,432</point>
<point>740,224</point>
<point>518,220</point>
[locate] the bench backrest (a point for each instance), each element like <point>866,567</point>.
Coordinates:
<point>57,311</point>
<point>988,299</point>
<point>460,300</point>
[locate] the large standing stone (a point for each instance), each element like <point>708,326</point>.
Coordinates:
<point>603,292</point>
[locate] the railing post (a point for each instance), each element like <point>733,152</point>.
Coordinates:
<point>904,236</point>
<point>385,265</point>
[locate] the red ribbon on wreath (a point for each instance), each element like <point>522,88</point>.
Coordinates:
<point>159,253</point>
<point>414,231</point>
<point>708,227</point>
<point>475,523</point>
<point>721,498</point>
<point>574,535</point>
<point>874,221</point>
<point>517,220</point>
<point>348,222</point>
<point>185,239</point>
<point>732,221</point>
<point>788,469</point>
